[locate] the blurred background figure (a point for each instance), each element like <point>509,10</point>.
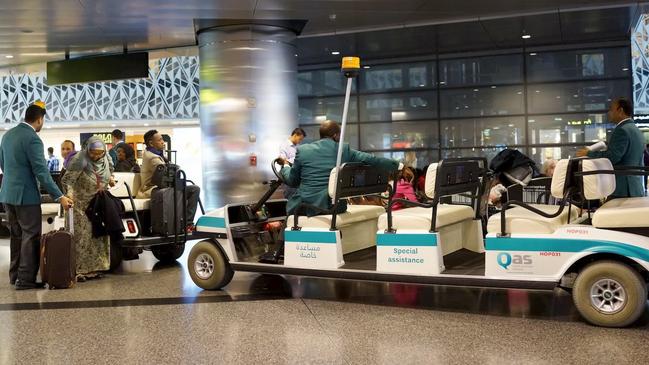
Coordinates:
<point>52,161</point>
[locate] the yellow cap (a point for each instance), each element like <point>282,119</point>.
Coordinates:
<point>40,104</point>
<point>351,63</point>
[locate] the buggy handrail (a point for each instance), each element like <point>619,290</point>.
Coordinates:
<point>503,222</point>
<point>130,198</point>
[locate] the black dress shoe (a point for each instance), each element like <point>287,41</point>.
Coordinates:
<point>20,285</point>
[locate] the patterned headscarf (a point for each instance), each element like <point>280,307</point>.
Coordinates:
<point>101,168</point>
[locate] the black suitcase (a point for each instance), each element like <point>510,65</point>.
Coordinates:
<point>59,258</point>
<point>162,211</point>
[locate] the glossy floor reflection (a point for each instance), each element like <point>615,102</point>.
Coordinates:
<point>150,313</point>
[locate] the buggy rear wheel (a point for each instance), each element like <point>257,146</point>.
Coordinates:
<point>168,253</point>
<point>610,294</point>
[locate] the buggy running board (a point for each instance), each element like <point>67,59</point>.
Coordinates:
<point>443,279</point>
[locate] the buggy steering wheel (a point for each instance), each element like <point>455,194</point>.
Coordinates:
<point>273,166</point>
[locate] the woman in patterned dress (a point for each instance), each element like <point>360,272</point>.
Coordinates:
<point>89,171</point>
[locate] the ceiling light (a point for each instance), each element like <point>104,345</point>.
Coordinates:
<point>146,124</point>
<point>538,91</point>
<point>625,69</point>
<point>533,54</point>
<point>475,90</point>
<point>335,53</point>
<point>519,93</point>
<point>9,56</point>
<point>296,55</point>
<point>113,125</point>
<point>366,66</point>
<point>526,36</point>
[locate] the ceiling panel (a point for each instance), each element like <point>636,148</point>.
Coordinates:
<point>596,24</point>
<point>507,32</point>
<point>53,26</point>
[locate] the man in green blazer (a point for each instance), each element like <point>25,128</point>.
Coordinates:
<point>312,167</point>
<point>23,163</point>
<point>625,147</point>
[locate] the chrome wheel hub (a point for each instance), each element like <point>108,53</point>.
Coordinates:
<point>204,266</point>
<point>607,296</point>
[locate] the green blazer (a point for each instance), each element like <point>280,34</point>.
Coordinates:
<point>22,161</point>
<point>625,148</point>
<point>312,167</point>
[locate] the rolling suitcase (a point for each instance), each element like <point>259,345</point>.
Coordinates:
<point>58,257</point>
<point>162,211</point>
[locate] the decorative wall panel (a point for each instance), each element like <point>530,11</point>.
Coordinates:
<point>170,92</point>
<point>640,64</point>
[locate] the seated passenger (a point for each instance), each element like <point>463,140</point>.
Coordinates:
<point>89,172</point>
<point>405,189</point>
<point>152,157</point>
<point>126,160</point>
<point>312,167</point>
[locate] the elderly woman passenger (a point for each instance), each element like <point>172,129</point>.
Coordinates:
<point>89,171</point>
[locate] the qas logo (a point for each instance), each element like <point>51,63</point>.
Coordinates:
<point>505,260</point>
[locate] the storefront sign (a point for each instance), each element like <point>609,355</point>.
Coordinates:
<point>105,136</point>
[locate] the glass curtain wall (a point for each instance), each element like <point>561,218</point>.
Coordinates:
<point>547,104</point>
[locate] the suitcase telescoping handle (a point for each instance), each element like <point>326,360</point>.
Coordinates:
<point>69,218</point>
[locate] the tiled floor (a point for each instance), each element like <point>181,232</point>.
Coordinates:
<point>147,313</point>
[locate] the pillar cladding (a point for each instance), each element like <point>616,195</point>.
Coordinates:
<point>248,107</point>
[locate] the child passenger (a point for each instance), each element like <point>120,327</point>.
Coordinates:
<point>405,189</point>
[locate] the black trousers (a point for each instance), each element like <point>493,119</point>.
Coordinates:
<point>25,233</point>
<point>193,193</point>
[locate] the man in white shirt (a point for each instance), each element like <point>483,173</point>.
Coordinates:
<point>287,151</point>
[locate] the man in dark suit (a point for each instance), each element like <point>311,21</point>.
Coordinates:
<point>23,164</point>
<point>312,167</point>
<point>625,147</point>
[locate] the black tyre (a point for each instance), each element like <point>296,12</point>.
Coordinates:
<point>168,253</point>
<point>116,256</point>
<point>610,294</point>
<point>208,266</point>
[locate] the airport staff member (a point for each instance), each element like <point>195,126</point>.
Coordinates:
<point>312,167</point>
<point>625,147</point>
<point>287,152</point>
<point>23,164</point>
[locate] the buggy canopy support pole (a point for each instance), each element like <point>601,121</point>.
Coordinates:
<point>350,67</point>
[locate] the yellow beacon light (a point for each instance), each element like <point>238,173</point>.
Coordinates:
<point>351,66</point>
<point>40,104</point>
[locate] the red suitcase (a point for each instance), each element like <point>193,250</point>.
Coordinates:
<point>58,258</point>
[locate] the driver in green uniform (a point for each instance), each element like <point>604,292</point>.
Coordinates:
<point>313,164</point>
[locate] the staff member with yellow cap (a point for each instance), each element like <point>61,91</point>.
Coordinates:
<point>22,161</point>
